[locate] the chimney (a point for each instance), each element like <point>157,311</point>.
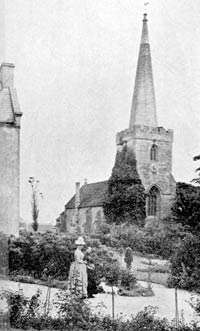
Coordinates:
<point>77,196</point>
<point>7,74</point>
<point>85,181</point>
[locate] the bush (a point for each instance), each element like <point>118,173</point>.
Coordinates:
<point>159,239</point>
<point>127,279</point>
<point>128,257</point>
<point>186,207</point>
<point>185,264</point>
<point>76,315</point>
<point>38,256</point>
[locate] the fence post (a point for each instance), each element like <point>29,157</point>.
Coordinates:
<point>176,309</point>
<point>113,304</point>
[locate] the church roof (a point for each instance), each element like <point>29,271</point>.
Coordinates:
<point>9,105</point>
<point>143,111</point>
<point>91,195</point>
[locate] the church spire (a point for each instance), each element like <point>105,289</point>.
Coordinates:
<point>143,110</point>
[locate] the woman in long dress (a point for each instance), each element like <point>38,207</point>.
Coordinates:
<point>78,280</point>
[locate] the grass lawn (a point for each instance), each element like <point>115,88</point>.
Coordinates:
<point>156,277</point>
<point>140,266</point>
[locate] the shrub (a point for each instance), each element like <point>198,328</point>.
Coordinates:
<point>127,279</point>
<point>76,315</point>
<point>159,239</point>
<point>186,207</point>
<point>128,257</point>
<point>185,264</point>
<point>41,256</point>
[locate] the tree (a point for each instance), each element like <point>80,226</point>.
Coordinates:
<point>125,197</point>
<point>34,201</point>
<point>197,179</point>
<point>128,257</point>
<point>186,208</point>
<point>185,264</point>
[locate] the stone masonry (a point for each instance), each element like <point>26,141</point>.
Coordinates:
<point>10,116</point>
<point>143,134</point>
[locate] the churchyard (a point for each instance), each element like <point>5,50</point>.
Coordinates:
<point>37,258</point>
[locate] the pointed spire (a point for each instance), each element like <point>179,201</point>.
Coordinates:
<point>143,110</point>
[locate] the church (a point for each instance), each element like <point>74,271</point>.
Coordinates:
<point>152,145</point>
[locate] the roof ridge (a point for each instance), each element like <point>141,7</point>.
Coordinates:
<point>103,181</point>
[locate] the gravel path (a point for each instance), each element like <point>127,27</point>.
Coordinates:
<point>163,299</point>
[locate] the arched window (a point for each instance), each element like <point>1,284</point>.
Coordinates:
<point>154,153</point>
<point>153,202</point>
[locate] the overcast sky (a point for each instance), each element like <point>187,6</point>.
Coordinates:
<point>75,70</point>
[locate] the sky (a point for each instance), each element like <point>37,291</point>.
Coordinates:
<point>75,64</point>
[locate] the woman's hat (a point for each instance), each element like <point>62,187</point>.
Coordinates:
<point>80,241</point>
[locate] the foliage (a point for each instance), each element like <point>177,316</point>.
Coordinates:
<point>159,238</point>
<point>41,255</point>
<point>105,265</point>
<point>185,264</point>
<point>197,179</point>
<point>34,201</point>
<point>21,310</point>
<point>186,208</point>
<point>50,255</point>
<point>195,304</point>
<point>125,197</point>
<point>76,315</point>
<point>127,278</point>
<point>128,257</point>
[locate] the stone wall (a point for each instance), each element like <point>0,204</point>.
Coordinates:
<point>9,176</point>
<point>152,173</point>
<point>90,219</point>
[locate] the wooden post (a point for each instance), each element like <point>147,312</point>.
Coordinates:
<point>149,274</point>
<point>176,309</point>
<point>113,304</point>
<point>48,297</point>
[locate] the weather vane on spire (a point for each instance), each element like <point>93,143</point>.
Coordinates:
<point>146,6</point>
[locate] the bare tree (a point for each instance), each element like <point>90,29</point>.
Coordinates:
<point>34,201</point>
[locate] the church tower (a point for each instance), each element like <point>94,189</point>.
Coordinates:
<point>152,144</point>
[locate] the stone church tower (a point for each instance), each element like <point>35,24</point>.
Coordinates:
<point>10,116</point>
<point>152,144</point>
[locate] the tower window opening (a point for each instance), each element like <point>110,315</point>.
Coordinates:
<point>153,202</point>
<point>154,153</point>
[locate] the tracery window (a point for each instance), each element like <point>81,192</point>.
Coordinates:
<point>153,202</point>
<point>154,153</point>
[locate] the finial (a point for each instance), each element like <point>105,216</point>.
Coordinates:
<point>145,11</point>
<point>145,17</point>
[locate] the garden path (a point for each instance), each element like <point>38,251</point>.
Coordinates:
<point>163,299</point>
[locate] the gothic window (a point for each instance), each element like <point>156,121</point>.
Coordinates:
<point>88,224</point>
<point>97,222</point>
<point>154,153</point>
<point>153,202</point>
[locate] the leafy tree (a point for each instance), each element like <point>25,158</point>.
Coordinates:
<point>185,264</point>
<point>125,198</point>
<point>186,208</point>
